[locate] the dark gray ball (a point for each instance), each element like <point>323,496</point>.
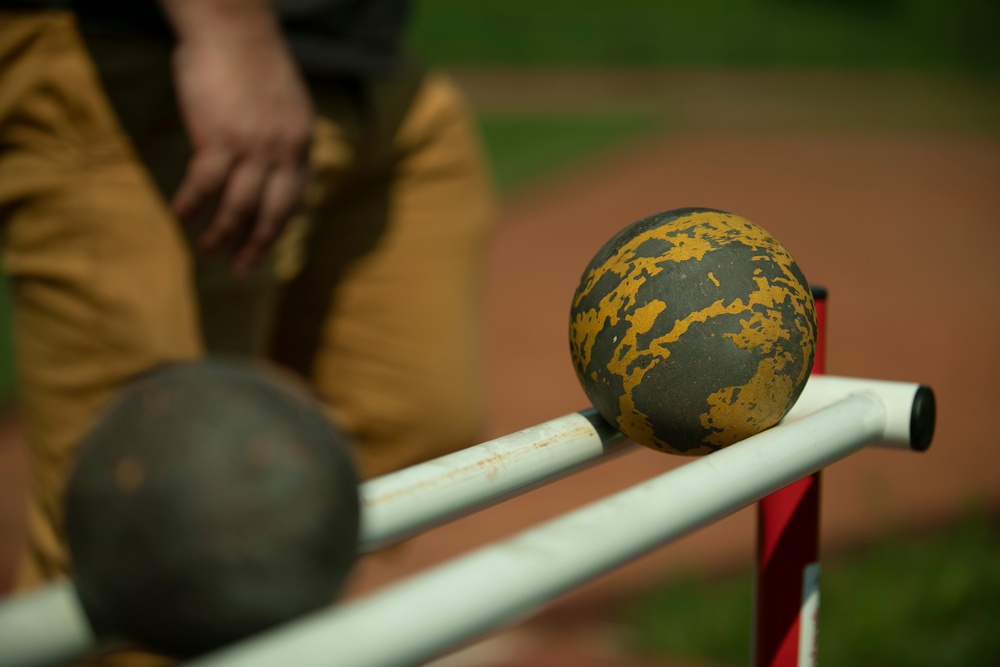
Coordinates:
<point>211,501</point>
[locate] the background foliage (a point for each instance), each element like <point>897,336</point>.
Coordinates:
<point>952,34</point>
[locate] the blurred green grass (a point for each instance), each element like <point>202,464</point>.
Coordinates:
<point>958,34</point>
<point>930,600</point>
<point>526,148</point>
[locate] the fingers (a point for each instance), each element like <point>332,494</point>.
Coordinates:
<point>239,204</point>
<point>255,200</point>
<point>280,199</point>
<point>205,177</point>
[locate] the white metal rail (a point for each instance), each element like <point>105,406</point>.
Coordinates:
<point>47,627</point>
<point>446,606</point>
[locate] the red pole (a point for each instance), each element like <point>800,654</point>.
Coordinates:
<point>787,585</point>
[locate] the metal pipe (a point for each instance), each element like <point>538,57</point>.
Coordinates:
<point>45,626</point>
<point>911,414</point>
<point>429,614</point>
<point>404,503</point>
<point>787,568</point>
<point>407,502</point>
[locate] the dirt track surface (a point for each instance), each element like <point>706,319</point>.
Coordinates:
<point>902,228</point>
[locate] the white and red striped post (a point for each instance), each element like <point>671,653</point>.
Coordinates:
<point>786,615</point>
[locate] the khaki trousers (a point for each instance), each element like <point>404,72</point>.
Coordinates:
<point>373,294</point>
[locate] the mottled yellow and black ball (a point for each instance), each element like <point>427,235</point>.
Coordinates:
<point>691,330</point>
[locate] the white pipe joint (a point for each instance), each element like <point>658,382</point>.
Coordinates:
<point>910,408</point>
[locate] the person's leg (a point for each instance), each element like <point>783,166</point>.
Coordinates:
<point>99,269</point>
<point>385,316</point>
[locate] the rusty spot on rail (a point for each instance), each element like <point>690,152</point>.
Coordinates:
<point>491,464</point>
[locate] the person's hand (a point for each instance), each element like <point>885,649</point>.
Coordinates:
<point>249,119</point>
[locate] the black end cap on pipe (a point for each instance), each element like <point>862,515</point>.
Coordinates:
<point>923,416</point>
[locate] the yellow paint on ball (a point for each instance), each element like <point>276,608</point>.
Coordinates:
<point>674,294</point>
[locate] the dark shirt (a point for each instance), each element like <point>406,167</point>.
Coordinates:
<point>328,37</point>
